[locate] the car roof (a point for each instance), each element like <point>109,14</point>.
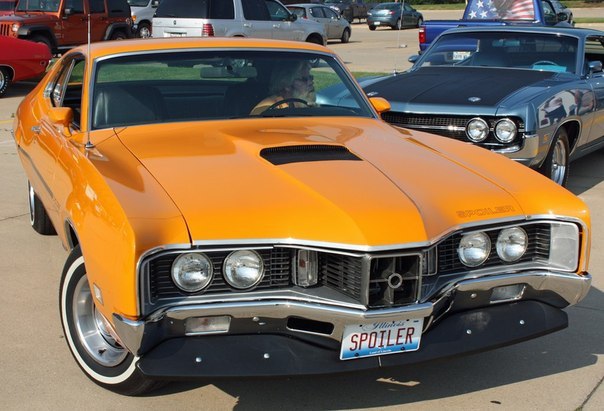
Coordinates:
<point>109,48</point>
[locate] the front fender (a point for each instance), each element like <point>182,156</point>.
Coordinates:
<point>113,27</point>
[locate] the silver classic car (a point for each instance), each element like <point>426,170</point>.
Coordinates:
<point>535,95</point>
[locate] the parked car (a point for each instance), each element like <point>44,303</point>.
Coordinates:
<point>336,27</point>
<point>394,15</point>
<point>7,7</point>
<point>532,94</point>
<point>349,9</point>
<point>560,7</point>
<point>234,18</point>
<point>61,25</point>
<point>309,238</point>
<point>480,13</point>
<point>142,16</point>
<point>21,60</point>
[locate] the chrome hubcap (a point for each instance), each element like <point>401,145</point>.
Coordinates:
<point>92,330</point>
<point>2,79</point>
<point>30,203</point>
<point>559,162</point>
<point>145,32</point>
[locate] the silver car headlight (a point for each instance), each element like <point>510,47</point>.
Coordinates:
<point>243,269</point>
<point>192,272</point>
<point>511,244</point>
<point>477,130</point>
<point>474,249</point>
<point>505,130</point>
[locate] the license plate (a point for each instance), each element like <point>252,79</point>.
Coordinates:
<point>377,23</point>
<point>177,34</point>
<point>380,338</point>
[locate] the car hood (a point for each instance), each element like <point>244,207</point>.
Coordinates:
<point>374,186</point>
<point>29,18</point>
<point>456,87</point>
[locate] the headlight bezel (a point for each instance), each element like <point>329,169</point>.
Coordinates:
<point>499,135</point>
<point>484,133</point>
<point>482,242</point>
<point>228,276</point>
<point>179,263</point>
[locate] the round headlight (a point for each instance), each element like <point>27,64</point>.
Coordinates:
<point>474,249</point>
<point>505,130</point>
<point>192,272</point>
<point>511,244</point>
<point>477,130</point>
<point>243,269</point>
<point>15,27</point>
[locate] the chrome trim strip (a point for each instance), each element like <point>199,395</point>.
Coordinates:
<point>570,287</point>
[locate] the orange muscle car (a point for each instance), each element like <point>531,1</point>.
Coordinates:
<point>224,218</point>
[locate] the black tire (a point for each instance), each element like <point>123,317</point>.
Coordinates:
<point>371,27</point>
<point>4,80</point>
<point>144,30</point>
<point>556,165</point>
<point>118,35</point>
<point>345,36</point>
<point>99,355</point>
<point>42,39</point>
<point>38,218</point>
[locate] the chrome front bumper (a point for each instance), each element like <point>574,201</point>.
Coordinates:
<point>555,289</point>
<point>531,154</point>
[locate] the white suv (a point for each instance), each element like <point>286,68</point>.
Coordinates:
<point>233,18</point>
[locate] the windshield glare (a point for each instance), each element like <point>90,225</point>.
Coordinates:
<point>168,86</point>
<point>530,51</point>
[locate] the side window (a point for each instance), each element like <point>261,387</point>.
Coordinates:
<point>67,88</point>
<point>97,6</point>
<point>329,13</point>
<point>277,11</point>
<point>222,9</point>
<point>255,10</point>
<point>118,8</point>
<point>317,12</point>
<point>549,15</point>
<point>76,6</point>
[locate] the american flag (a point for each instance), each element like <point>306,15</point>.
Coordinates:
<point>501,9</point>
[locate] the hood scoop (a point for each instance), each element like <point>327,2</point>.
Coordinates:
<point>306,153</point>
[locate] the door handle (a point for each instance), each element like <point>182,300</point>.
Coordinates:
<point>248,25</point>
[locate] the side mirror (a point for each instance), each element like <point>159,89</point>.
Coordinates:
<point>155,3</point>
<point>595,66</point>
<point>380,104</point>
<point>413,58</point>
<point>292,17</point>
<point>61,116</point>
<point>562,16</point>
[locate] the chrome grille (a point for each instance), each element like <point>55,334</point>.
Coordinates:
<point>343,273</point>
<point>449,126</point>
<point>5,29</point>
<point>538,249</point>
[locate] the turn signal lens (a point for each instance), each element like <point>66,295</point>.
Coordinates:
<point>307,268</point>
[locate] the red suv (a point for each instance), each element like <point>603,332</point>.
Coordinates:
<point>62,24</point>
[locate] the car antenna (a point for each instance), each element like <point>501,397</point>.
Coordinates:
<point>398,36</point>
<point>89,144</point>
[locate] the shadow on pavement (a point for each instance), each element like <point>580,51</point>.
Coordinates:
<point>586,172</point>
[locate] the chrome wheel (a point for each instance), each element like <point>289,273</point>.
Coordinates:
<point>559,162</point>
<point>31,203</point>
<point>4,80</point>
<point>144,31</point>
<point>92,330</point>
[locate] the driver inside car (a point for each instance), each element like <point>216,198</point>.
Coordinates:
<point>291,86</point>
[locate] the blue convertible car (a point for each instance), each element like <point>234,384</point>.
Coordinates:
<point>535,95</point>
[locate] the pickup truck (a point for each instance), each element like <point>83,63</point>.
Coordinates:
<point>495,13</point>
<point>349,9</point>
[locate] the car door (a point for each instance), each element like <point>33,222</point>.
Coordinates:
<point>333,22</point>
<point>98,19</point>
<point>256,19</point>
<point>72,22</point>
<point>282,26</point>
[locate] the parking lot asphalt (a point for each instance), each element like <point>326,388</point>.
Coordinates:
<point>560,371</point>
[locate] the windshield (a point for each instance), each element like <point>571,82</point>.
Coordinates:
<point>210,85</point>
<point>531,51</point>
<point>138,3</point>
<point>39,5</point>
<point>7,5</point>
